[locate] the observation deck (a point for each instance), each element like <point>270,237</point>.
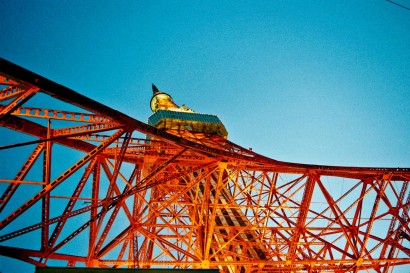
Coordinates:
<point>193,122</point>
<point>170,117</point>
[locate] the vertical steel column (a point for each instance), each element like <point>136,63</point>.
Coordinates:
<point>46,198</point>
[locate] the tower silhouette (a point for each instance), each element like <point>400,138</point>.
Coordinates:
<point>86,185</point>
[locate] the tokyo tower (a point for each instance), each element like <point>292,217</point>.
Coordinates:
<point>84,185</point>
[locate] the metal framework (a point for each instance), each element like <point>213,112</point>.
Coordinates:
<point>82,185</point>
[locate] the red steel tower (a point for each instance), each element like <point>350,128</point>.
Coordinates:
<point>85,185</point>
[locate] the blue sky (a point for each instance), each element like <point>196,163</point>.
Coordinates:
<point>321,82</point>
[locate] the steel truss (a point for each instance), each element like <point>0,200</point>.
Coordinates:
<point>82,185</point>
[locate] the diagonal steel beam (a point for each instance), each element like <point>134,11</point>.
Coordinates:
<point>8,193</point>
<point>59,180</point>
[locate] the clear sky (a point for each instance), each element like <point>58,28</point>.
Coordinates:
<point>321,82</point>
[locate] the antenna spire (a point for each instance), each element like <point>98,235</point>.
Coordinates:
<point>155,89</point>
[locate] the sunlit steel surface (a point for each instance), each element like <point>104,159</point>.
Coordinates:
<point>110,270</point>
<point>83,185</point>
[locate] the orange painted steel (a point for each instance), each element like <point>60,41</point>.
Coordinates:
<point>109,196</point>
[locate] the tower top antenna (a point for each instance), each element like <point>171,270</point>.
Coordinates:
<point>155,90</point>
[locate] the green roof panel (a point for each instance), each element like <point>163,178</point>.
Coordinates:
<point>186,116</point>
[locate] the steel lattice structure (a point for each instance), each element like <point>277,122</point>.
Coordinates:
<point>83,185</point>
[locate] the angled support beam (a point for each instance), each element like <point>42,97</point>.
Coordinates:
<point>113,178</point>
<point>8,193</point>
<point>94,227</point>
<point>302,216</point>
<point>155,213</point>
<point>169,244</point>
<point>39,225</point>
<point>12,90</point>
<point>30,256</point>
<point>339,216</point>
<point>22,98</point>
<point>210,217</point>
<point>59,179</point>
<point>113,189</point>
<point>87,129</point>
<point>40,132</point>
<point>382,184</point>
<point>70,205</point>
<point>44,113</point>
